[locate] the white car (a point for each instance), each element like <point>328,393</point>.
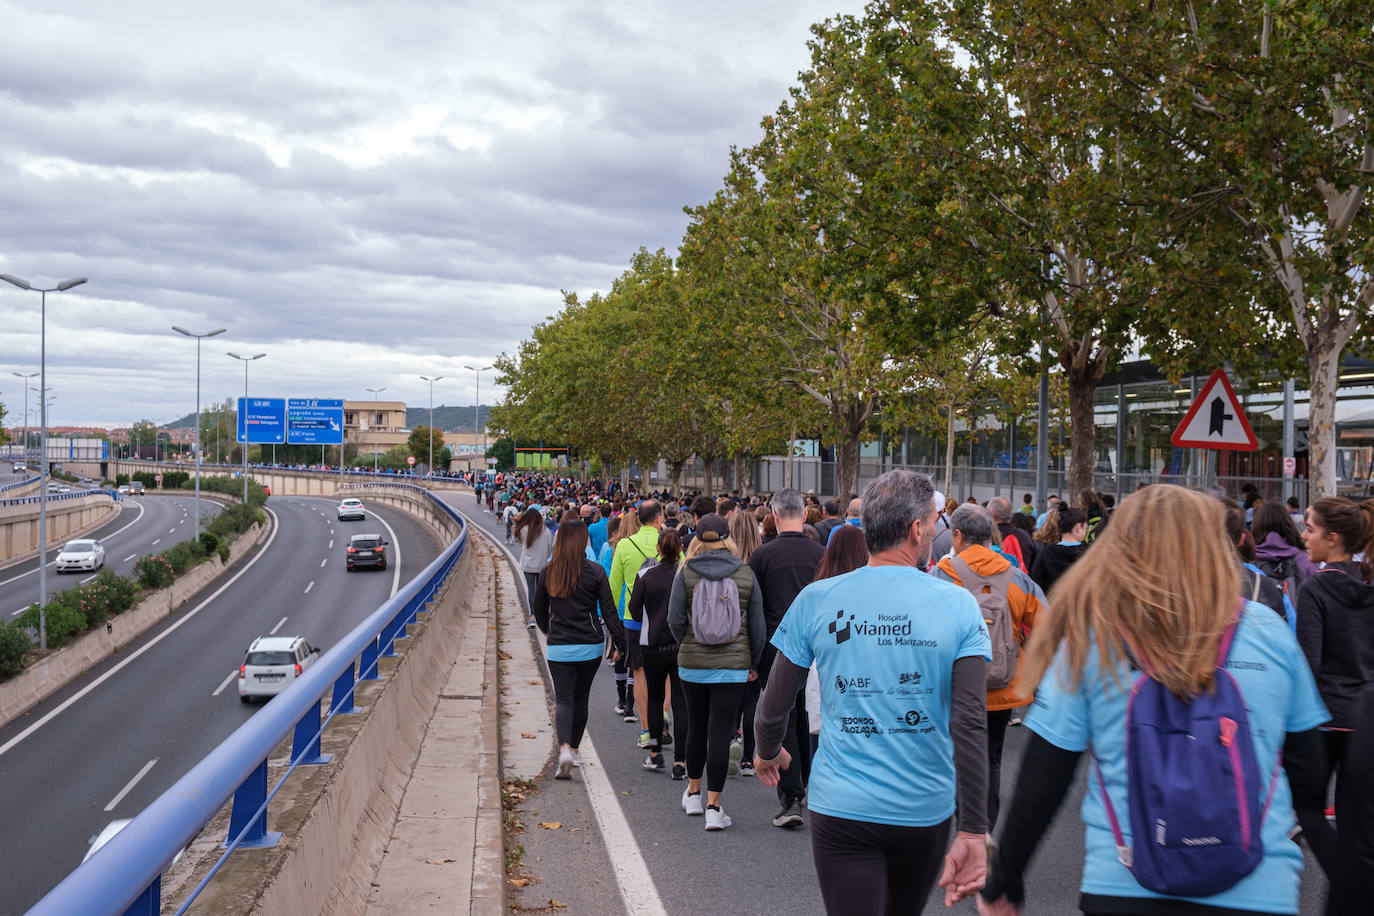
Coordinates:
<point>272,663</point>
<point>351,508</point>
<point>85,555</point>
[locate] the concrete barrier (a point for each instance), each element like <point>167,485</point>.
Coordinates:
<point>69,516</point>
<point>284,481</point>
<point>49,674</point>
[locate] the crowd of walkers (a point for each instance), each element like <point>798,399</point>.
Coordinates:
<point>1212,659</point>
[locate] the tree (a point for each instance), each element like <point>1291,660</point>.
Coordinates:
<point>142,438</point>
<point>503,450</point>
<point>421,440</point>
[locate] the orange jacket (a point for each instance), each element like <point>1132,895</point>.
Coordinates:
<point>1025,597</point>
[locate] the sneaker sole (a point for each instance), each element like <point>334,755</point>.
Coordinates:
<point>791,822</point>
<point>716,828</point>
<point>565,768</point>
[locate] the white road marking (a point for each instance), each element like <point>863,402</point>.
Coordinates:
<point>171,531</point>
<point>225,683</point>
<point>20,611</point>
<point>105,538</point>
<point>133,782</point>
<point>395,552</point>
<point>324,561</point>
<point>280,624</point>
<point>133,656</point>
<point>158,541</point>
<point>331,543</point>
<point>87,579</point>
<point>132,556</point>
<point>310,586</point>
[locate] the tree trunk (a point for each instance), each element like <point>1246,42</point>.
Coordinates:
<point>949,452</point>
<point>624,477</point>
<point>791,456</point>
<point>1082,434</point>
<point>847,468</point>
<point>676,468</point>
<point>1323,365</point>
<point>708,463</point>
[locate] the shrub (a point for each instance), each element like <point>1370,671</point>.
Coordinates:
<point>229,486</point>
<point>224,552</point>
<point>184,555</point>
<point>14,645</point>
<point>176,480</point>
<point>120,593</point>
<point>63,618</point>
<point>147,478</point>
<point>121,480</point>
<point>209,542</point>
<point>153,572</point>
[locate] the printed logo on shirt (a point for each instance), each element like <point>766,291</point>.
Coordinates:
<point>841,633</point>
<point>913,722</point>
<point>889,630</point>
<point>1239,665</point>
<point>860,725</point>
<point>858,686</point>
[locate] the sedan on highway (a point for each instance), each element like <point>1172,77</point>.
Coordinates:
<point>351,508</point>
<point>366,550</point>
<point>85,555</point>
<point>272,663</point>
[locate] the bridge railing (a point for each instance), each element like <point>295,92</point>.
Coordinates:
<point>125,875</point>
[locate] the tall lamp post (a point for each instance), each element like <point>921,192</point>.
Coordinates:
<point>425,378</point>
<point>199,338</point>
<point>375,392</point>
<point>476,410</point>
<point>26,376</point>
<point>246,360</point>
<point>43,441</point>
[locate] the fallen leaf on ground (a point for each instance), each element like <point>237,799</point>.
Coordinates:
<point>557,904</point>
<point>526,735</point>
<point>518,882</point>
<point>534,682</point>
<point>440,861</point>
<point>551,825</point>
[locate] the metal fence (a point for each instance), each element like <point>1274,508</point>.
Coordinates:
<point>124,876</point>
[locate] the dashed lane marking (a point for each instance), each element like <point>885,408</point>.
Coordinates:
<point>225,683</point>
<point>310,586</point>
<point>324,561</point>
<point>129,787</point>
<point>280,624</point>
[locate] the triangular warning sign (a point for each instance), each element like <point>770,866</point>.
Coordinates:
<point>1216,420</point>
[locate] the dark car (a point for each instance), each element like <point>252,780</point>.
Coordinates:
<point>366,550</point>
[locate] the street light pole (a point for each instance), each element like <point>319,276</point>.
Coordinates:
<point>425,378</point>
<point>476,410</point>
<point>246,360</point>
<point>43,441</point>
<point>199,338</point>
<point>26,376</point>
<point>375,392</point>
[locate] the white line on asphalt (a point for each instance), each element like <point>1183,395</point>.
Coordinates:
<point>105,538</point>
<point>133,782</point>
<point>87,579</point>
<point>158,541</point>
<point>273,631</point>
<point>310,586</point>
<point>395,551</point>
<point>324,561</point>
<point>132,656</point>
<point>171,531</point>
<point>225,683</point>
<point>331,543</point>
<point>20,611</point>
<point>132,556</point>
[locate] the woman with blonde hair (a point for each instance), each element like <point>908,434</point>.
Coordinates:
<point>1155,601</point>
<point>744,535</point>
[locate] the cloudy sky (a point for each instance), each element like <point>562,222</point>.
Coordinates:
<point>365,191</point>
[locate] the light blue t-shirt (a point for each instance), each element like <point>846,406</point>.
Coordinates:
<point>1280,697</point>
<point>884,640</point>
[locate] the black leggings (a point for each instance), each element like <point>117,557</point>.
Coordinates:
<point>870,869</point>
<point>657,669</point>
<point>711,710</point>
<point>572,684</point>
<point>531,583</point>
<point>997,733</point>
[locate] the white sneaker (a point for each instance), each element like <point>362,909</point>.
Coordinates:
<point>692,804</point>
<point>716,819</point>
<point>565,765</point>
<point>577,759</point>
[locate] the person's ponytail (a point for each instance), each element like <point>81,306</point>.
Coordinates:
<point>1367,538</point>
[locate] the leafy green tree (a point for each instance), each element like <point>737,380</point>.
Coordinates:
<point>503,450</point>
<point>421,439</point>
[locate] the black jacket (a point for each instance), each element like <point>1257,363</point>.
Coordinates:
<point>784,566</point>
<point>574,620</point>
<point>1336,632</point>
<point>649,606</point>
<point>1053,561</point>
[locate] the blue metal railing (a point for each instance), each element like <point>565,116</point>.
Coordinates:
<point>26,482</point>
<point>125,875</point>
<point>55,497</point>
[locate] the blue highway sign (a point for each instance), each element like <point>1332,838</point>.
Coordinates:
<point>314,421</point>
<point>266,420</point>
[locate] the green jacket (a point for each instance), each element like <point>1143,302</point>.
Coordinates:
<point>745,650</point>
<point>630,554</point>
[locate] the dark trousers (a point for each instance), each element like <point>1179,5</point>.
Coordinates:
<point>791,781</point>
<point>997,733</point>
<point>868,869</point>
<point>711,710</point>
<point>572,684</point>
<point>531,583</point>
<point>659,669</point>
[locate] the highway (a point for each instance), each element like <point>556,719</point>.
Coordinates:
<point>144,524</point>
<point>109,743</point>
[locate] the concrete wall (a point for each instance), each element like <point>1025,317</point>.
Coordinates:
<point>281,481</point>
<point>44,677</point>
<point>68,517</point>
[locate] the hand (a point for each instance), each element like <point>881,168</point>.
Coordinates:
<point>966,867</point>
<point>616,655</point>
<point>753,675</point>
<point>999,907</point>
<point>767,771</point>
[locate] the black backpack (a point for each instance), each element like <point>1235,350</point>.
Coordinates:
<point>1284,572</point>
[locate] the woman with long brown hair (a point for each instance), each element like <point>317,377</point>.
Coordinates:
<point>572,601</point>
<point>535,545</point>
<point>1157,594</point>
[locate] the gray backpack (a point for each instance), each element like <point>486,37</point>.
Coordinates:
<point>991,593</point>
<point>715,611</point>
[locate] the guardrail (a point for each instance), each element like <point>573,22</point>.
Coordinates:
<point>26,482</point>
<point>125,875</point>
<point>55,497</point>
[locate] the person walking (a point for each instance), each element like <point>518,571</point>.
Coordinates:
<point>636,546</point>
<point>1147,629</point>
<point>902,660</point>
<point>1054,560</point>
<point>658,653</point>
<point>536,545</point>
<point>715,612</point>
<point>572,603</point>
<point>1012,604</point>
<point>783,567</point>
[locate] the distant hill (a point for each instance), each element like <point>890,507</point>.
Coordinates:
<point>456,419</point>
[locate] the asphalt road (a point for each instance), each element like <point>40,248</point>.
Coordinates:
<point>762,868</point>
<point>114,748</point>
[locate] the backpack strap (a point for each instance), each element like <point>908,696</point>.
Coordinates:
<point>1123,852</point>
<point>1255,590</point>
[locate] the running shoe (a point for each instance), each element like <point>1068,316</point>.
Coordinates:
<point>630,713</point>
<point>736,752</point>
<point>644,739</point>
<point>577,759</point>
<point>531,625</point>
<point>789,817</point>
<point>716,819</point>
<point>667,738</point>
<point>620,709</point>
<point>653,762</point>
<point>746,768</point>
<point>679,771</point>
<point>565,765</point>
<point>692,803</point>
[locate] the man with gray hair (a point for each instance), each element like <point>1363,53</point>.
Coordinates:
<point>783,567</point>
<point>1015,542</point>
<point>902,662</point>
<point>1011,604</point>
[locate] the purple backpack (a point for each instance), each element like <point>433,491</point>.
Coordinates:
<point>1193,786</point>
